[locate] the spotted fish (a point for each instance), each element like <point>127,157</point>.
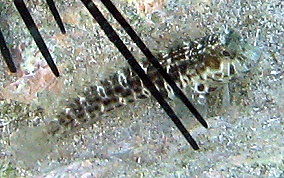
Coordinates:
<point>203,65</point>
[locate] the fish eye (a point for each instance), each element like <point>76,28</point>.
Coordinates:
<point>200,87</point>
<point>225,53</point>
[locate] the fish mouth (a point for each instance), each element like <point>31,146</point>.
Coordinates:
<point>251,57</point>
<point>246,54</point>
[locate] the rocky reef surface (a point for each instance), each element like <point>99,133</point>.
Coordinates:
<point>245,135</point>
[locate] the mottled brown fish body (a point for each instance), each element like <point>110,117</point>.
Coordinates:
<point>202,65</point>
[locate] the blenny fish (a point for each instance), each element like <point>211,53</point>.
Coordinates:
<point>202,65</point>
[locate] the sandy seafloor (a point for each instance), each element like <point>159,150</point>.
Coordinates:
<point>245,136</point>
